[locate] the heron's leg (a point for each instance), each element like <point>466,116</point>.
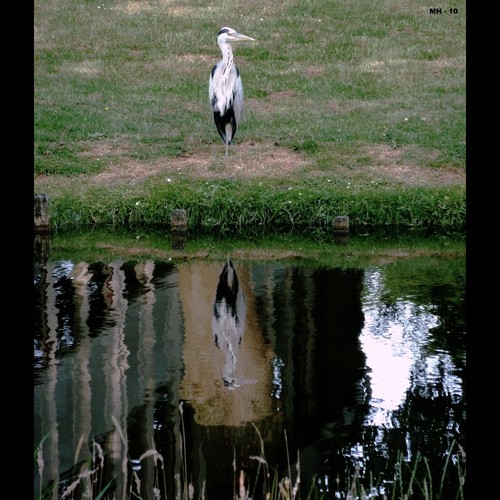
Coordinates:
<point>227,147</point>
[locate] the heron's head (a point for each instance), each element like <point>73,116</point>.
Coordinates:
<point>226,35</point>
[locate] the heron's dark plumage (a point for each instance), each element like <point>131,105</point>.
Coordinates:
<point>221,121</point>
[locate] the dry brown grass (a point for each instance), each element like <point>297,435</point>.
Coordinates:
<point>249,160</point>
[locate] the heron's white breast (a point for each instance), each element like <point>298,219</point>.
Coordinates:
<point>223,86</point>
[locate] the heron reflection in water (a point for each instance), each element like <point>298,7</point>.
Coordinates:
<point>228,321</point>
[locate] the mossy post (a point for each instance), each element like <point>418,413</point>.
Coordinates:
<point>41,213</point>
<point>178,226</point>
<point>341,224</point>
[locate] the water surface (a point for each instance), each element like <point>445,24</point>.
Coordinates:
<point>330,371</point>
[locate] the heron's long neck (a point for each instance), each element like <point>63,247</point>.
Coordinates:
<point>227,54</point>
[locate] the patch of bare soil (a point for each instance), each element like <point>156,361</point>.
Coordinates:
<point>388,163</point>
<point>266,160</point>
<point>254,160</point>
<point>245,160</point>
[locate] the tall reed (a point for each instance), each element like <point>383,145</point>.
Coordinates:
<point>411,480</point>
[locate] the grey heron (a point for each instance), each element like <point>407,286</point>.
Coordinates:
<point>228,320</point>
<point>225,89</point>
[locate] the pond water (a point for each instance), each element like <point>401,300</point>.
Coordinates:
<point>195,379</point>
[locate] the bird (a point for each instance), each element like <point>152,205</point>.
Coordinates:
<point>225,88</point>
<point>228,320</point>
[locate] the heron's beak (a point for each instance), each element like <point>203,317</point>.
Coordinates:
<point>239,36</point>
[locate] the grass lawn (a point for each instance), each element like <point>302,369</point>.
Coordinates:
<point>351,108</point>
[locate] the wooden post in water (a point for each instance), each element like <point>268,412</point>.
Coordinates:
<point>41,209</point>
<point>178,223</point>
<point>340,229</point>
